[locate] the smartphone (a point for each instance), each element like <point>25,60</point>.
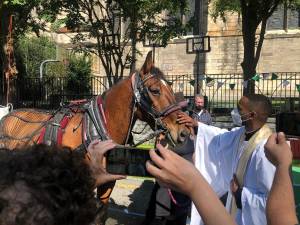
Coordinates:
<point>289,123</point>
<point>128,161</point>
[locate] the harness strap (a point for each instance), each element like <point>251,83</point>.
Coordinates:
<point>169,110</point>
<point>101,108</point>
<point>94,128</point>
<point>64,122</point>
<point>42,135</point>
<point>94,123</point>
<point>52,133</point>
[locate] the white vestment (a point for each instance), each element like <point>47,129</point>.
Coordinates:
<point>217,153</point>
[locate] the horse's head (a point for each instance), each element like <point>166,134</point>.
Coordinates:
<point>156,102</point>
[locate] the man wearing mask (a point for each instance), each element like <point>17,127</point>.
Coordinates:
<point>199,113</point>
<point>234,161</point>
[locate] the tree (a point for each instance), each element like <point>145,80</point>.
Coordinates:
<point>253,13</point>
<point>78,75</point>
<point>31,51</point>
<point>17,17</point>
<point>115,27</point>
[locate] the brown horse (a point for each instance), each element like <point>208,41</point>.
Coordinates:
<point>145,95</point>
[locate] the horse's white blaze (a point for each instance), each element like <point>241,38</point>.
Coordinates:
<point>164,82</point>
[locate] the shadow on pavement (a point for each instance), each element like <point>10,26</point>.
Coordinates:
<point>135,212</point>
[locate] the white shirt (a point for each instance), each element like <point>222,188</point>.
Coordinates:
<point>216,156</point>
<point>199,113</point>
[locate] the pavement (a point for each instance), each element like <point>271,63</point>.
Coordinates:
<point>129,201</point>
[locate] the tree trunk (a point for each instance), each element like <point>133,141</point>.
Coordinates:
<point>133,50</point>
<point>3,60</point>
<point>249,65</point>
<point>9,69</point>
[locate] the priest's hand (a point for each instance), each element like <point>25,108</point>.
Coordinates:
<point>234,185</point>
<point>96,151</point>
<point>278,151</point>
<point>236,190</point>
<point>183,118</point>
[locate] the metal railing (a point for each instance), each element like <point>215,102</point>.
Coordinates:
<point>222,90</point>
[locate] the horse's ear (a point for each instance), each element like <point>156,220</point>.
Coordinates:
<point>148,64</point>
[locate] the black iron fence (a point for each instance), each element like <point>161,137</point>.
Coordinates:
<point>222,90</point>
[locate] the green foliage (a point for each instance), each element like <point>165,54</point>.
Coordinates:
<point>253,13</point>
<point>159,20</point>
<point>58,24</point>
<point>32,51</point>
<point>149,16</point>
<point>294,4</point>
<point>220,7</point>
<point>14,2</point>
<point>262,8</point>
<point>25,19</point>
<point>79,75</point>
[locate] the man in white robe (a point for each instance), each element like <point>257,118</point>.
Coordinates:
<point>220,154</point>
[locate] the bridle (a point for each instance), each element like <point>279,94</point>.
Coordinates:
<point>143,100</point>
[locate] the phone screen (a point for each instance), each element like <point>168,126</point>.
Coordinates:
<point>289,123</point>
<point>128,161</point>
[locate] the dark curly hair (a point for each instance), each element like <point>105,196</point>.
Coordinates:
<point>46,185</point>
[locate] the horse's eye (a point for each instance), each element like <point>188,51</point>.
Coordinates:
<point>155,91</point>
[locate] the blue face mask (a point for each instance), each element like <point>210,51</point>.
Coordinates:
<point>236,117</point>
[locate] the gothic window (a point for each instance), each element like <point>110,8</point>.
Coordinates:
<point>284,18</point>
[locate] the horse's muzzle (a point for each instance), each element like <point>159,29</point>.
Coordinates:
<point>183,135</point>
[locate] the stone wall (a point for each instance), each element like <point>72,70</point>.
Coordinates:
<point>280,53</point>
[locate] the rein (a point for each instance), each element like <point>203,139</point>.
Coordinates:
<point>175,201</point>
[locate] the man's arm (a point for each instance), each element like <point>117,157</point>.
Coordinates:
<point>280,203</point>
<point>188,179</point>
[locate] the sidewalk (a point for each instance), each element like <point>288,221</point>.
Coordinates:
<point>129,201</point>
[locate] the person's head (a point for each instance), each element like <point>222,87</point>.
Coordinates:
<point>199,102</point>
<point>254,110</point>
<point>44,185</point>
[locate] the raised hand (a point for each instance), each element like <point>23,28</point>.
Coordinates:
<point>183,118</point>
<point>171,170</point>
<point>278,151</point>
<point>96,151</point>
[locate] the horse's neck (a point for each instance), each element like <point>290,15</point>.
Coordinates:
<point>118,104</point>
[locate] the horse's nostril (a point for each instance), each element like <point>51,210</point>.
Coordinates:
<point>184,134</point>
